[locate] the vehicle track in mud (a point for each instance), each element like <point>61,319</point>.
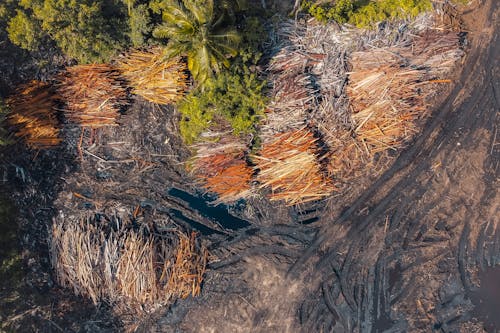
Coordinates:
<point>412,253</point>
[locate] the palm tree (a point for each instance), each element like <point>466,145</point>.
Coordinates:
<point>195,30</point>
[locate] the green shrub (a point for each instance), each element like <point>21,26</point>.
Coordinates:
<point>24,31</point>
<point>364,13</point>
<point>236,96</point>
<point>385,10</point>
<point>339,11</point>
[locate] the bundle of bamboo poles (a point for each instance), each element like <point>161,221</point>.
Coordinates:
<point>290,166</point>
<point>221,168</point>
<point>113,262</point>
<point>158,80</point>
<point>94,94</point>
<point>32,115</point>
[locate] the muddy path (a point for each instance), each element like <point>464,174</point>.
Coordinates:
<point>417,251</point>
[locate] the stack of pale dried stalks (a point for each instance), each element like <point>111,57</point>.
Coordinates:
<point>33,115</point>
<point>293,93</point>
<point>389,87</point>
<point>131,267</point>
<point>94,94</point>
<point>289,166</point>
<point>221,168</point>
<point>158,80</point>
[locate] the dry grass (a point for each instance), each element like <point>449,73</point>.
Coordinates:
<point>157,80</point>
<point>289,166</point>
<point>32,115</point>
<point>125,266</point>
<point>94,94</point>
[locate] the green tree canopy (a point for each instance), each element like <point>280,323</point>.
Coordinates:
<point>196,29</point>
<point>86,30</point>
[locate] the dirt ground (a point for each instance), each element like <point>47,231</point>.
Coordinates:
<point>415,250</point>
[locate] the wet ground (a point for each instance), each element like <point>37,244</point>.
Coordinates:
<point>417,251</point>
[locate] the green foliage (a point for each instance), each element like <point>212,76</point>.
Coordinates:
<point>24,31</point>
<point>389,10</point>
<point>140,24</point>
<point>86,30</point>
<point>196,29</point>
<point>7,11</point>
<point>3,133</point>
<point>339,11</point>
<point>236,96</point>
<point>364,13</point>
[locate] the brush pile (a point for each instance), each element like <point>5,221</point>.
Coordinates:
<point>157,80</point>
<point>32,115</point>
<point>389,88</point>
<point>289,166</point>
<point>114,261</point>
<point>220,166</point>
<point>293,94</point>
<point>362,90</point>
<point>94,94</point>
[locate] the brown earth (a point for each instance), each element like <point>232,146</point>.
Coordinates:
<point>415,250</point>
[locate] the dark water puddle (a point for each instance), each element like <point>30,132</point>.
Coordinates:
<point>203,229</point>
<point>217,213</point>
<point>486,299</point>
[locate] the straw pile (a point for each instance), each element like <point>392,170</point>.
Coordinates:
<point>289,166</point>
<point>386,102</point>
<point>436,51</point>
<point>33,115</point>
<point>293,93</point>
<point>94,94</point>
<point>389,87</point>
<point>222,169</point>
<point>157,80</point>
<point>113,262</point>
